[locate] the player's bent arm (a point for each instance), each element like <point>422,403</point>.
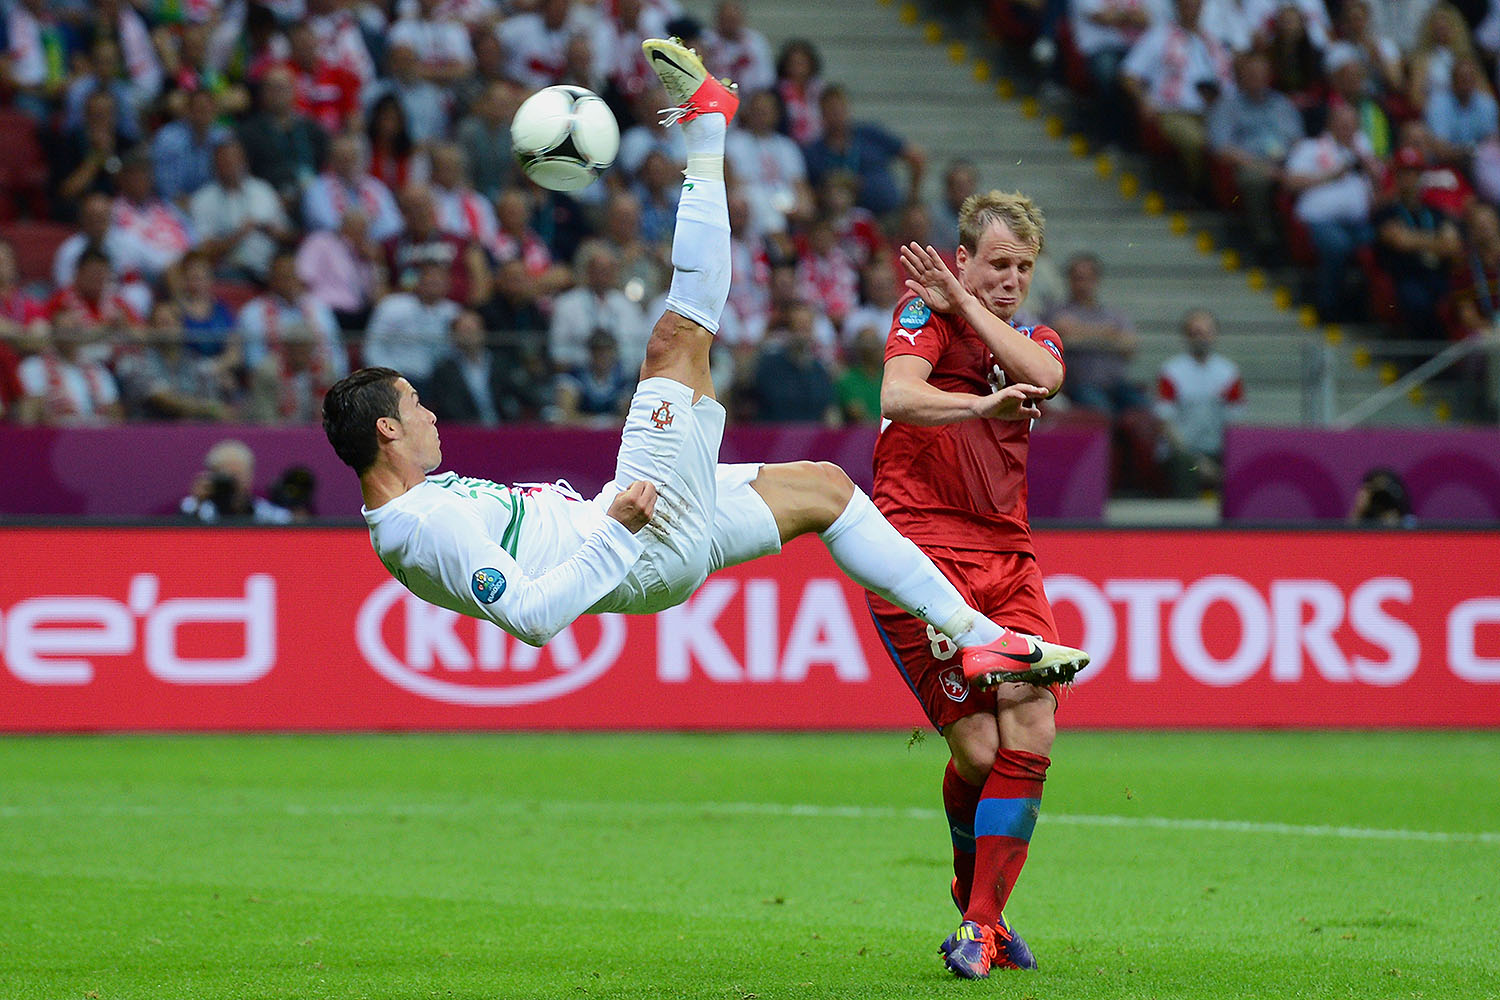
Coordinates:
<point>535,608</point>
<point>1023,359</point>
<point>907,397</point>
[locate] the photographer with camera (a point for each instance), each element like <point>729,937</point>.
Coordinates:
<point>223,490</point>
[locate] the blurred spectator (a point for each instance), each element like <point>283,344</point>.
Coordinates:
<point>409,330</point>
<point>287,385</point>
<point>153,232</point>
<point>1331,177</point>
<point>749,299</point>
<point>597,393</point>
<point>786,295</point>
<point>1417,246</point>
<point>93,231</point>
<point>102,70</point>
<point>1198,393</point>
<point>10,366</point>
<point>326,93</point>
<point>207,324</point>
<point>295,491</point>
<point>286,305</point>
<point>645,267</point>
<point>92,304</point>
<point>799,85</point>
<point>344,270</point>
<point>193,61</point>
<point>734,49</point>
<point>1401,20</point>
<point>238,218</point>
<point>1172,73</point>
<point>960,180</point>
<point>857,389</point>
<point>88,158</point>
<point>879,291</point>
<point>1295,55</point>
<point>581,67</point>
<point>1101,343</point>
<point>395,158</point>
<point>519,241</point>
<point>340,40</point>
<point>286,149</point>
<point>36,53</point>
<point>423,107</point>
<point>1382,501</point>
<point>520,331</point>
<point>1104,31</point>
<point>1464,116</point>
<point>1349,83</point>
<point>438,39</point>
<point>597,302</point>
<point>422,241</point>
<point>182,150</point>
<point>347,184</point>
<point>537,41</point>
<point>1443,38</point>
<point>120,20</point>
<point>1231,22</point>
<point>1476,276</point>
<point>462,212</point>
<point>827,276</point>
<point>17,308</point>
<point>1312,15</point>
<point>649,135</point>
<point>224,490</point>
<point>619,44</point>
<point>469,385</point>
<point>768,165</point>
<point>484,136</point>
<point>791,384</point>
<point>1378,53</point>
<point>60,386</point>
<point>657,190</point>
<point>1443,187</point>
<point>857,229</point>
<point>165,381</point>
<point>866,150</point>
<point>1252,129</point>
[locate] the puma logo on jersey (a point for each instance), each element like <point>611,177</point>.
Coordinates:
<point>910,335</point>
<point>662,415</point>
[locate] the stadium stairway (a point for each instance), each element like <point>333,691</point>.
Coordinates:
<point>930,81</point>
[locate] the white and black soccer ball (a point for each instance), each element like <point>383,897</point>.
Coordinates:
<point>564,137</point>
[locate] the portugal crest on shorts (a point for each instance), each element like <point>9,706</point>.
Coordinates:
<point>954,684</point>
<point>662,415</point>
<point>488,584</point>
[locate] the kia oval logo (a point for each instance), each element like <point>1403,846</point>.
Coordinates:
<point>437,660</point>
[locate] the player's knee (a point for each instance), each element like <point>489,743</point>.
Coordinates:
<point>974,748</point>
<point>829,487</point>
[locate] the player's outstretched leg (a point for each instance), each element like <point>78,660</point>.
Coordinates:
<point>679,345</point>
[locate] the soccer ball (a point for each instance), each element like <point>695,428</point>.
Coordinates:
<point>564,137</point>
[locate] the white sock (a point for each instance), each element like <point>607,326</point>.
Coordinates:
<point>879,558</point>
<point>704,137</point>
<point>700,247</point>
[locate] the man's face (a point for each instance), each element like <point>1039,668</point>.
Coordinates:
<point>999,270</point>
<point>419,438</point>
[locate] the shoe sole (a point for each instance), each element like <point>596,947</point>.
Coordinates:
<point>1060,672</point>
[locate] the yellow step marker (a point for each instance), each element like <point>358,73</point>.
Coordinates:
<point>1030,108</point>
<point>957,53</point>
<point>1005,88</point>
<point>1388,372</point>
<point>1282,297</point>
<point>1307,316</point>
<point>1104,165</point>
<point>932,32</point>
<point>1054,127</point>
<point>1417,394</point>
<point>1229,260</point>
<point>1179,224</point>
<point>1442,411</point>
<point>1130,186</point>
<point>1078,145</point>
<point>908,14</point>
<point>981,71</point>
<point>1256,279</point>
<point>1333,334</point>
<point>1204,241</point>
<point>1361,357</point>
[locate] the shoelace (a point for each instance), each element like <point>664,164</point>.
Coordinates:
<point>671,116</point>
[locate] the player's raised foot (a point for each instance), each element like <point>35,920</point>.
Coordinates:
<point>1017,657</point>
<point>1011,951</point>
<point>969,951</point>
<point>687,82</point>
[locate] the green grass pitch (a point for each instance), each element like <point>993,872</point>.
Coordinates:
<point>1268,865</point>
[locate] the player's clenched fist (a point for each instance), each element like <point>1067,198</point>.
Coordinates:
<point>634,505</point>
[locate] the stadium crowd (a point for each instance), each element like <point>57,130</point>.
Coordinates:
<point>215,208</point>
<point>1358,139</point>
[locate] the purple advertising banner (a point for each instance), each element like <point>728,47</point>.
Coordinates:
<point>143,471</point>
<point>1308,474</point>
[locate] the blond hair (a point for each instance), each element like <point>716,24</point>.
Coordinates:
<point>1018,212</point>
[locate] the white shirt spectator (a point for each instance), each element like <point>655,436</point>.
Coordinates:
<point>1401,20</point>
<point>1229,22</point>
<point>425,105</point>
<point>578,312</point>
<point>769,167</point>
<point>65,262</point>
<point>1200,398</point>
<point>328,195</point>
<point>1173,62</point>
<point>465,213</point>
<point>71,393</point>
<point>341,44</point>
<point>436,42</point>
<point>28,57</point>
<point>1314,14</point>
<point>537,54</point>
<point>217,211</point>
<point>409,335</point>
<point>1346,198</point>
<point>153,236</point>
<point>1091,37</point>
<point>747,60</point>
<point>639,141</point>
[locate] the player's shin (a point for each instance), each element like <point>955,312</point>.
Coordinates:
<point>882,560</point>
<point>1007,813</point>
<point>960,800</point>
<point>700,251</point>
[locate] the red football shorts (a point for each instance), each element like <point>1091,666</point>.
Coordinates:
<point>1006,586</point>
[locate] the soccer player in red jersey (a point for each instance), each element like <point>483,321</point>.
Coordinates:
<point>961,385</point>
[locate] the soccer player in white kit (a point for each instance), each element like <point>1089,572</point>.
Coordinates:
<point>534,557</point>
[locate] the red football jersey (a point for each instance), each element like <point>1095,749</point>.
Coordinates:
<point>962,485</point>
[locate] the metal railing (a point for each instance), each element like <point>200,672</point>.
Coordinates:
<point>1325,368</point>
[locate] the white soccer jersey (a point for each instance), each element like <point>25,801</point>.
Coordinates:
<point>529,558</point>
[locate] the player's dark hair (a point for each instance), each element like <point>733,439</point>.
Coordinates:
<point>350,410</point>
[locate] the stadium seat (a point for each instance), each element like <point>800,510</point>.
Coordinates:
<point>36,244</point>
<point>1383,306</point>
<point>23,167</point>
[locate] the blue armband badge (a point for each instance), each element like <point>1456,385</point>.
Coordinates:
<point>488,584</point>
<point>915,315</point>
